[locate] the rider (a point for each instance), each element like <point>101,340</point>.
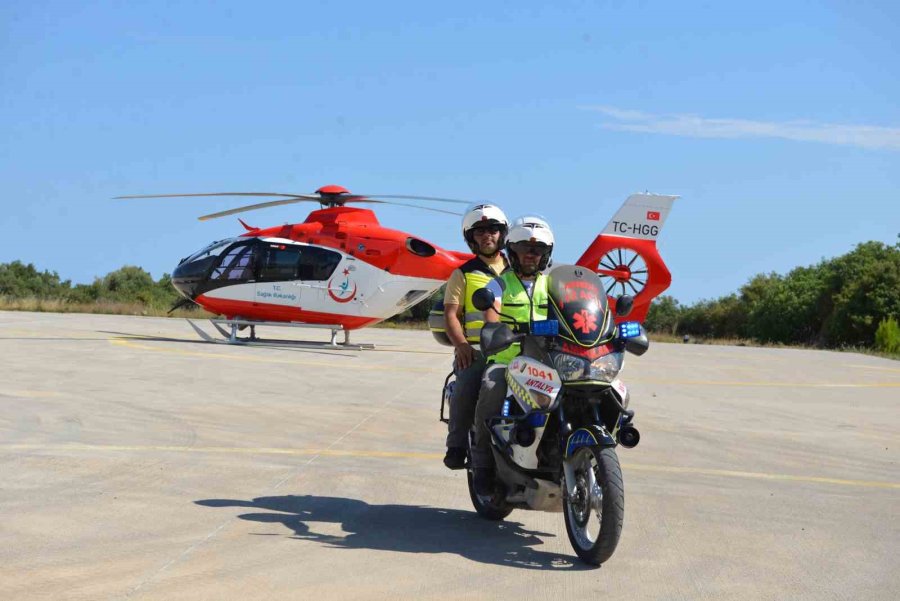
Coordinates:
<point>521,294</point>
<point>484,228</point>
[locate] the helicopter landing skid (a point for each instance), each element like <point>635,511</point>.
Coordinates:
<point>231,337</point>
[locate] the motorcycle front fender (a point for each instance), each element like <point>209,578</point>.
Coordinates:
<point>594,435</point>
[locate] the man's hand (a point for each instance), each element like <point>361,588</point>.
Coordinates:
<point>465,355</point>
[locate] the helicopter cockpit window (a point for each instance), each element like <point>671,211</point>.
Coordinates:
<point>281,262</point>
<point>238,264</point>
<point>317,263</point>
<point>211,250</point>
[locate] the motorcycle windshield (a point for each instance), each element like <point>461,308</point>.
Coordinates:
<point>579,302</point>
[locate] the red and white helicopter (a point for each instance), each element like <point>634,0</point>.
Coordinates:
<point>341,270</point>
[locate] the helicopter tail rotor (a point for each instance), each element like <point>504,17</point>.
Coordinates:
<point>625,255</point>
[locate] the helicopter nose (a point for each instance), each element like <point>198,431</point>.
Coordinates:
<point>187,279</point>
<point>185,289</point>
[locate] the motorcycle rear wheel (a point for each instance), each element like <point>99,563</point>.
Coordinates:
<point>490,508</point>
<point>595,513</point>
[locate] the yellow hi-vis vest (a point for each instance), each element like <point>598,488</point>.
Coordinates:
<point>476,274</point>
<point>520,308</point>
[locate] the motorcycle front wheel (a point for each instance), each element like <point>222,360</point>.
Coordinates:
<point>490,508</point>
<point>595,512</point>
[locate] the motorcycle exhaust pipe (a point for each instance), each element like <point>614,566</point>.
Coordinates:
<point>629,437</point>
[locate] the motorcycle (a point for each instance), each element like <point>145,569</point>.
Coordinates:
<point>565,411</point>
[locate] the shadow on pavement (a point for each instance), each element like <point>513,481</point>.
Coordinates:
<point>405,529</point>
<point>281,345</point>
<point>258,344</point>
<point>148,338</point>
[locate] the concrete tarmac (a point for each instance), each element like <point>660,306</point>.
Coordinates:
<point>138,462</point>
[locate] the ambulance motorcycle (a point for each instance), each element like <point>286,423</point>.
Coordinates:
<point>554,443</point>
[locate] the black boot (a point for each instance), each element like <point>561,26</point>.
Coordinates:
<point>455,459</point>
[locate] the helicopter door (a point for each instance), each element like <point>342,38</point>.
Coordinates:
<point>317,273</point>
<point>278,273</point>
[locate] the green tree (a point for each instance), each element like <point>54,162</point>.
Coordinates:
<point>729,316</point>
<point>866,291</point>
<point>19,280</point>
<point>129,284</point>
<point>794,310</point>
<point>759,289</point>
<point>663,315</point>
<point>696,319</point>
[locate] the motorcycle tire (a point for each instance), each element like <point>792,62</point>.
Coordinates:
<point>493,509</point>
<point>594,548</point>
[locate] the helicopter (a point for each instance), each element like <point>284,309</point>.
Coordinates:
<point>342,270</point>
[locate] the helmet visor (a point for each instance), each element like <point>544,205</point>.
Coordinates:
<point>488,228</point>
<point>538,249</point>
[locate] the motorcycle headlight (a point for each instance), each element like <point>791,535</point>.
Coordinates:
<point>570,367</point>
<point>543,400</point>
<point>607,367</point>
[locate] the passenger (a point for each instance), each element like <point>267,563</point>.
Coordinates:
<point>484,229</point>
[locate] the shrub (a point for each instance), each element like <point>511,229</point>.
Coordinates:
<point>887,336</point>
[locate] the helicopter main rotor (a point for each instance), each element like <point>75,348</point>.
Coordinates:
<point>328,197</point>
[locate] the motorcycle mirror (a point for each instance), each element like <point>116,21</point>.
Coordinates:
<point>638,345</point>
<point>624,304</point>
<point>496,336</point>
<point>483,299</point>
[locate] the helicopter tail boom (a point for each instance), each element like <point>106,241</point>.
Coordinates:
<point>625,256</point>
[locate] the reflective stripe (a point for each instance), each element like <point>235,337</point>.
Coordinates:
<point>477,275</point>
<point>474,321</point>
<point>521,308</point>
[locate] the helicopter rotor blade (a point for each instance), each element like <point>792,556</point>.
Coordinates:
<point>401,204</point>
<point>261,205</point>
<point>405,197</point>
<point>299,196</point>
<point>324,199</point>
<point>276,203</point>
<point>342,197</point>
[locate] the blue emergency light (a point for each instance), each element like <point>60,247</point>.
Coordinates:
<point>629,329</point>
<point>547,327</point>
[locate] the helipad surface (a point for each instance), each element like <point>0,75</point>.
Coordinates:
<point>138,462</point>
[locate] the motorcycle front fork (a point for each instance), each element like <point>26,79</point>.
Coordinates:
<point>566,429</point>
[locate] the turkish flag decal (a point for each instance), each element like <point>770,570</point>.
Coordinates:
<point>653,215</point>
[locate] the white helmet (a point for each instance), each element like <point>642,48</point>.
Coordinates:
<point>481,215</point>
<point>530,230</point>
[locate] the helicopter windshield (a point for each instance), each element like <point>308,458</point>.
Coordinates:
<point>580,304</point>
<point>210,250</point>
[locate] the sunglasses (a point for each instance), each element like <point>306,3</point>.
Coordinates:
<point>531,249</point>
<point>486,229</point>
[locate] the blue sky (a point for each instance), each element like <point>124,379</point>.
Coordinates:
<point>777,123</point>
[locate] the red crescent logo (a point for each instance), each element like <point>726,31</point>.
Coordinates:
<point>337,298</point>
